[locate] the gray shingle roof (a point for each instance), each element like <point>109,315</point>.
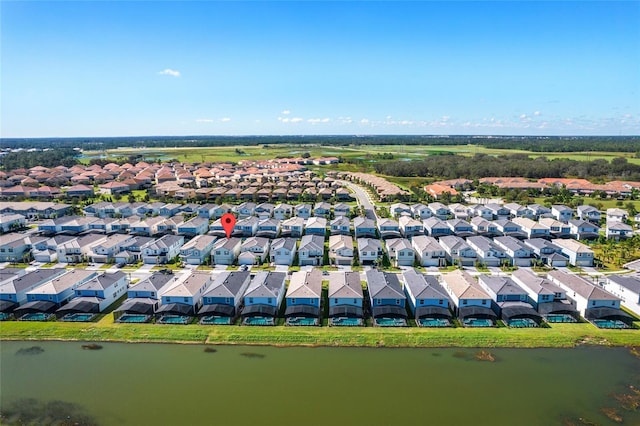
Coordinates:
<point>28,280</point>
<point>581,286</point>
<point>501,285</point>
<point>345,285</point>
<point>423,286</point>
<point>266,284</point>
<point>102,282</point>
<point>227,284</point>
<point>629,282</point>
<point>383,285</point>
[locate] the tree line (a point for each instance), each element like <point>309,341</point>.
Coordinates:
<point>530,143</point>
<point>514,165</point>
<point>51,158</point>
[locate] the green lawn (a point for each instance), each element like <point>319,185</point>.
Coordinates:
<point>365,153</point>
<point>558,335</point>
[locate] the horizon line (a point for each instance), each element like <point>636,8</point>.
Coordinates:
<point>353,135</point>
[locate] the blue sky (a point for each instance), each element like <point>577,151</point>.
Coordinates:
<point>270,68</point>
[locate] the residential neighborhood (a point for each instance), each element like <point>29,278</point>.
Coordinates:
<point>429,265</point>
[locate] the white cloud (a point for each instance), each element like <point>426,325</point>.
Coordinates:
<point>286,112</point>
<point>169,71</point>
<point>204,120</point>
<point>364,121</point>
<point>537,113</point>
<point>345,120</point>
<point>225,119</point>
<point>290,120</point>
<point>318,120</point>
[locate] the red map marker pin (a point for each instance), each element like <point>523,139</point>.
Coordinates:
<point>228,223</point>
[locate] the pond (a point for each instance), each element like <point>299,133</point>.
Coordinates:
<point>158,384</point>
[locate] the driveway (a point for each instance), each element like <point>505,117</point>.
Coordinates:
<point>146,268</point>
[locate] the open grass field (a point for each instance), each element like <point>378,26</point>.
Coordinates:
<point>558,335</point>
<point>360,152</point>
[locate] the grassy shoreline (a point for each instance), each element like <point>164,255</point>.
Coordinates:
<point>559,335</point>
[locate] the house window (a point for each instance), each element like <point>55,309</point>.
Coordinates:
<point>440,302</point>
<point>464,302</point>
<point>484,302</point>
<point>186,300</point>
<point>293,300</point>
<point>251,300</point>
<point>422,301</point>
<point>269,300</point>
<point>593,303</point>
<point>378,302</point>
<point>335,301</point>
<point>613,303</point>
<point>168,300</point>
<point>397,301</point>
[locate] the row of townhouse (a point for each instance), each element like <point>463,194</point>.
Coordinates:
<point>524,299</point>
<point>35,209</point>
<point>267,179</point>
<point>341,250</point>
<point>265,210</point>
<point>249,226</point>
<point>219,299</point>
<point>37,294</point>
<point>100,248</point>
<point>495,211</point>
<point>79,190</point>
<point>519,227</point>
<point>453,250</point>
<point>292,194</point>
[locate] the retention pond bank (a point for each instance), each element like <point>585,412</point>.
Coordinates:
<point>184,384</point>
<point>558,335</point>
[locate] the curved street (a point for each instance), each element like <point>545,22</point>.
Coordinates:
<point>363,199</point>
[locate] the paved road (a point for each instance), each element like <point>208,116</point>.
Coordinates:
<point>363,199</point>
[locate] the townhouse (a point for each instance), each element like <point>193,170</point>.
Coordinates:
<point>369,251</point>
<point>198,250</point>
<point>427,299</point>
<point>263,297</point>
<point>472,303</point>
<point>400,252</point>
<point>283,251</point>
<point>303,298</point>
<point>457,251</point>
<point>225,251</point>
<point>346,299</point>
<point>592,302</point>
<point>428,251</point>
<point>311,250</point>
